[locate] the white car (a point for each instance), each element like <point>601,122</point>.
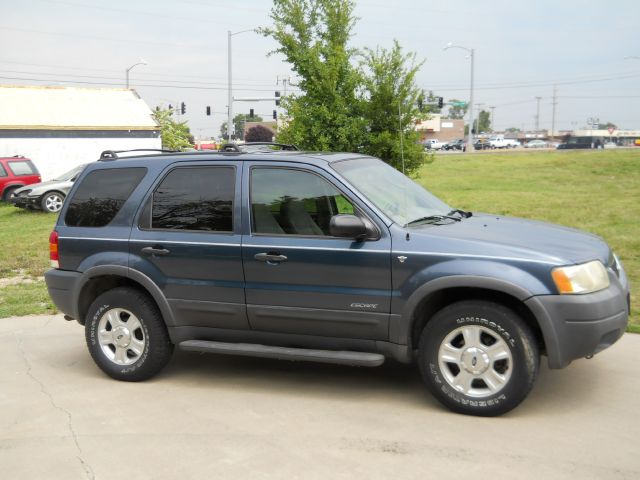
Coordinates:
<point>433,144</point>
<point>536,144</point>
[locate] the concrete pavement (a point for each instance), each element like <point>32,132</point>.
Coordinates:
<point>221,417</point>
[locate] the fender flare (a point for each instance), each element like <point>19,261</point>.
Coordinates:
<point>125,272</point>
<point>404,333</point>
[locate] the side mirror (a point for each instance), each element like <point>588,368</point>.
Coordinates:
<point>348,226</point>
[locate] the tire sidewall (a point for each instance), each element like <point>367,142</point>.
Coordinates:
<point>103,304</point>
<point>504,323</point>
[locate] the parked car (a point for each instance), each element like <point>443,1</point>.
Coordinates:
<point>575,143</point>
<point>536,144</point>
<point>482,144</point>
<point>334,258</point>
<point>433,144</point>
<point>458,144</point>
<point>48,196</point>
<point>16,172</point>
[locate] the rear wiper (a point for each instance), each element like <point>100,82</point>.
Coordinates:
<point>432,219</point>
<point>461,212</point>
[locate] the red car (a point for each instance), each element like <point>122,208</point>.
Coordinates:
<point>16,172</point>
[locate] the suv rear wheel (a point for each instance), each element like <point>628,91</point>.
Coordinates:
<point>126,335</point>
<point>8,193</point>
<point>478,358</point>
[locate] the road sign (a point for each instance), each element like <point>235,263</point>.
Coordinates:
<point>611,129</point>
<point>459,104</point>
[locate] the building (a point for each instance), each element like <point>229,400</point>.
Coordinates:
<point>61,127</point>
<point>442,129</point>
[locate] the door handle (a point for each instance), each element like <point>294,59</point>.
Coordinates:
<point>157,250</point>
<point>270,257</point>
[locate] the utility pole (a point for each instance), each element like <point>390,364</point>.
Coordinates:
<point>230,90</point>
<point>553,115</point>
<point>538,114</point>
<point>493,125</point>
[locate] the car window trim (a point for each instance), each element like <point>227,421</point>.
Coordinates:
<point>293,235</point>
<point>149,197</point>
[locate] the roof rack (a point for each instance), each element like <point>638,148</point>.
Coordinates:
<point>109,155</point>
<point>235,147</point>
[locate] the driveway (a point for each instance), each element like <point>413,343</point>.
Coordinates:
<point>221,417</point>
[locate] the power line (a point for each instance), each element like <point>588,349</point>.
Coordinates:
<point>119,84</point>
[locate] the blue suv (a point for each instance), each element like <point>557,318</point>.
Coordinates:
<point>334,258</point>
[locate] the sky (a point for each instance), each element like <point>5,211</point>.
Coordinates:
<point>522,49</point>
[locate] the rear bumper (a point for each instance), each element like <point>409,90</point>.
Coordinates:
<point>576,326</point>
<point>61,285</point>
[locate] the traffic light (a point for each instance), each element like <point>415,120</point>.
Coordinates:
<point>171,108</point>
<point>208,110</point>
<point>251,113</point>
<point>420,104</point>
<point>183,108</point>
<point>277,95</point>
<point>275,115</point>
<point>440,102</point>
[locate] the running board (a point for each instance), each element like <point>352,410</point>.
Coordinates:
<point>357,359</point>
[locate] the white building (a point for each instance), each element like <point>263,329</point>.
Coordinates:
<point>61,127</point>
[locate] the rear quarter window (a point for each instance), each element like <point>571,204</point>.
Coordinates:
<point>22,168</point>
<point>3,172</point>
<point>101,195</point>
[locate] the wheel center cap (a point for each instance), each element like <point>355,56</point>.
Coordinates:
<point>121,336</point>
<point>475,360</point>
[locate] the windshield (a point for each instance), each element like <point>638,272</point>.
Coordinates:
<point>398,197</point>
<point>70,175</point>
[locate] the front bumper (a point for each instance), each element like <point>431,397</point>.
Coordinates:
<point>576,326</point>
<point>26,202</point>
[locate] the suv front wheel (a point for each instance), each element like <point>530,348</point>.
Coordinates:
<point>126,335</point>
<point>478,358</point>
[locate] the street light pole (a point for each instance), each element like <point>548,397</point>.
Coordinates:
<point>230,126</point>
<point>471,52</point>
<point>141,62</point>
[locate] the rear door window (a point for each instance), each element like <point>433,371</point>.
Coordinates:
<point>193,199</point>
<point>22,168</point>
<point>101,195</point>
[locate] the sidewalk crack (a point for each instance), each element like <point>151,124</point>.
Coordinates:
<point>85,466</point>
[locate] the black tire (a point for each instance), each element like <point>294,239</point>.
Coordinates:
<point>51,202</point>
<point>152,331</point>
<point>496,324</point>
<point>8,193</point>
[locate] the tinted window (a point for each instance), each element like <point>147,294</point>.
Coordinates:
<point>21,168</point>
<point>293,202</point>
<point>3,172</point>
<point>101,195</point>
<point>195,198</point>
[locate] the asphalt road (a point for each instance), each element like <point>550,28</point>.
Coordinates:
<point>219,417</point>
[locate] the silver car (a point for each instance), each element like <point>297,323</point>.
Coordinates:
<point>48,196</point>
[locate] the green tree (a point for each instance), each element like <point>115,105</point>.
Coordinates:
<point>238,123</point>
<point>175,135</point>
<point>607,125</point>
<point>391,109</point>
<point>457,112</point>
<point>483,122</point>
<point>312,36</point>
<point>431,98</point>
<point>513,130</point>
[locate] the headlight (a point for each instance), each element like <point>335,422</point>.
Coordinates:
<point>585,278</point>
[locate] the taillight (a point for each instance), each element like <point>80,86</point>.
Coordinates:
<point>53,249</point>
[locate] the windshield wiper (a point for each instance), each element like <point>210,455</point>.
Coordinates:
<point>461,212</point>
<point>432,219</point>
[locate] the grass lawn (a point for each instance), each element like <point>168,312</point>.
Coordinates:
<point>597,191</point>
